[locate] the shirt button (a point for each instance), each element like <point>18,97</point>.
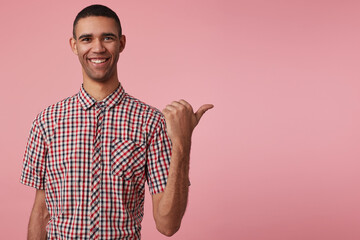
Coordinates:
<point>100,104</point>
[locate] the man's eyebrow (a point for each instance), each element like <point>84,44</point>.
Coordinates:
<point>88,35</point>
<point>109,35</point>
<point>85,36</point>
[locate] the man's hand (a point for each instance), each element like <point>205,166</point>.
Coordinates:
<point>169,206</point>
<point>181,121</point>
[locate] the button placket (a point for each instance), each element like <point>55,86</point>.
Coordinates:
<point>96,171</point>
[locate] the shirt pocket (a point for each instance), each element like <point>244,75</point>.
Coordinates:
<point>127,159</point>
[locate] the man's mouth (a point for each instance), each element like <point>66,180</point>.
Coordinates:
<point>98,60</point>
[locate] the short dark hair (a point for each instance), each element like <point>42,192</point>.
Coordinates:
<point>97,10</point>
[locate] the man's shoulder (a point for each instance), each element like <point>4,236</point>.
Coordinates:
<point>51,112</point>
<point>138,107</point>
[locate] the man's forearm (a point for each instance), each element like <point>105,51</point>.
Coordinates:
<point>37,225</point>
<point>173,202</point>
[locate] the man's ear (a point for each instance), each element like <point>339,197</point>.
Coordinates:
<point>122,43</point>
<point>72,42</point>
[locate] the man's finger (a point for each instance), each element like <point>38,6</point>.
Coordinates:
<point>186,104</point>
<point>202,110</point>
<point>170,107</point>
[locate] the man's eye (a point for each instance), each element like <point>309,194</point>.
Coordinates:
<point>85,39</point>
<point>108,38</point>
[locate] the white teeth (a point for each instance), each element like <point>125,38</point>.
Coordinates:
<point>98,60</point>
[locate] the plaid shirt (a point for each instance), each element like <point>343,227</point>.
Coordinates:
<point>93,158</point>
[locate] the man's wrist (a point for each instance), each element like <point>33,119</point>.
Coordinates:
<point>181,147</point>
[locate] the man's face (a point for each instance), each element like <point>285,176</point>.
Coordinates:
<point>98,46</point>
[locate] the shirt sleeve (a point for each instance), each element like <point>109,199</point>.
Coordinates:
<point>33,172</point>
<point>158,158</point>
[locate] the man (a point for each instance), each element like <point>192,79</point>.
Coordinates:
<point>89,155</point>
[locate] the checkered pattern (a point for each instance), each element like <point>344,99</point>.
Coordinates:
<point>93,159</point>
<point>96,173</point>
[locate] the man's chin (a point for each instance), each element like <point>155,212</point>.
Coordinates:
<point>98,78</point>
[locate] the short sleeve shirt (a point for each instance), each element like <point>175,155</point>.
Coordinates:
<point>135,149</point>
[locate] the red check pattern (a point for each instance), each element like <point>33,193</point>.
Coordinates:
<point>93,159</point>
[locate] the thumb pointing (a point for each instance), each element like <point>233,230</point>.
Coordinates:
<point>202,110</point>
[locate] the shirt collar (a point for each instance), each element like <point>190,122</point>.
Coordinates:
<point>111,100</point>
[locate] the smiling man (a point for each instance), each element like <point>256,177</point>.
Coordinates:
<point>90,154</point>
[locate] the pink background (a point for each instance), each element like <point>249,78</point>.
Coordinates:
<point>278,156</point>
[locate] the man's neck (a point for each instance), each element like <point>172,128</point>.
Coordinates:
<point>100,90</point>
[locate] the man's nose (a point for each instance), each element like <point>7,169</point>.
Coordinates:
<point>98,46</point>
